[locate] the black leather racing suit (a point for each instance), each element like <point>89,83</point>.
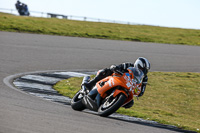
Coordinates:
<point>123,68</point>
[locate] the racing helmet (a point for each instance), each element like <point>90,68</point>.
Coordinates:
<point>142,64</point>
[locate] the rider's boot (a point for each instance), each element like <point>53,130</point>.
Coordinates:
<point>92,83</point>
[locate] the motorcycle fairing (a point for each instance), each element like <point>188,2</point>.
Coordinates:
<point>123,82</point>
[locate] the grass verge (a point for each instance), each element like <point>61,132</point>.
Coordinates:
<point>141,33</point>
<point>171,98</point>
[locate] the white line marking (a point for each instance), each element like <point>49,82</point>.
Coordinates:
<point>33,86</point>
<point>72,74</point>
<point>41,78</point>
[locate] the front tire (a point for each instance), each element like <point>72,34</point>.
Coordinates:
<point>76,102</point>
<point>111,104</point>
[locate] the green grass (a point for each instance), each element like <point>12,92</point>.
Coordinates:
<point>171,98</point>
<point>141,33</point>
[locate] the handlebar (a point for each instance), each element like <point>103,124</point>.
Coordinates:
<point>118,71</point>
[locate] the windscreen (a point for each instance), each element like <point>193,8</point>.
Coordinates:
<point>138,75</point>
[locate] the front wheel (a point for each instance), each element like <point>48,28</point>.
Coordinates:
<point>111,104</point>
<point>76,102</point>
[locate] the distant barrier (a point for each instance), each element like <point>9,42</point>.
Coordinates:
<point>61,16</point>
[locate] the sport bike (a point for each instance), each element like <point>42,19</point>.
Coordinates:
<point>110,93</point>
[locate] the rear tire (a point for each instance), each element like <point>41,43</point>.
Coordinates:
<point>111,104</point>
<point>76,102</point>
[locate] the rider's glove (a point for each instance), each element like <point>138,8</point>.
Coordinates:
<point>126,65</point>
<point>113,68</point>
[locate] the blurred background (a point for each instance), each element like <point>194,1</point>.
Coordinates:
<point>167,13</point>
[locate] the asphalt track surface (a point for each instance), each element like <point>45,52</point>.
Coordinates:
<point>20,53</point>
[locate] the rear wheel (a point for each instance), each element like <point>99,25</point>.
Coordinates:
<point>76,102</point>
<point>111,104</point>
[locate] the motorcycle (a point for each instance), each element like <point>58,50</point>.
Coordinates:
<point>110,93</point>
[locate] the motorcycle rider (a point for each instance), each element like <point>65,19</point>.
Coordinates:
<point>141,63</point>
